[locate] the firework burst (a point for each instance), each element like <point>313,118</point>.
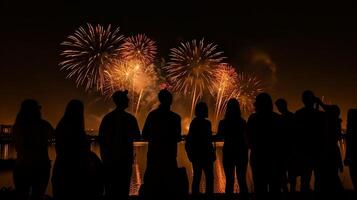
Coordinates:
<point>134,77</point>
<point>191,68</point>
<point>90,51</point>
<point>139,47</point>
<point>248,88</point>
<point>225,82</point>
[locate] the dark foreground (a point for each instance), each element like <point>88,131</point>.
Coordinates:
<point>7,194</point>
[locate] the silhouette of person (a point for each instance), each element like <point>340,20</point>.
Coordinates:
<point>289,172</point>
<point>264,131</point>
<point>162,130</point>
<point>235,150</point>
<point>351,147</point>
<point>331,159</point>
<point>116,134</point>
<point>200,149</point>
<point>77,170</point>
<point>31,138</point>
<point>310,126</point>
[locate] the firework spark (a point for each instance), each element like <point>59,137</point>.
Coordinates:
<point>191,68</point>
<point>132,76</point>
<point>225,82</point>
<point>91,50</point>
<point>139,47</point>
<point>248,88</point>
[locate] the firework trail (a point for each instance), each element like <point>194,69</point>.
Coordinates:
<point>225,82</point>
<point>90,51</point>
<point>191,68</point>
<point>139,47</point>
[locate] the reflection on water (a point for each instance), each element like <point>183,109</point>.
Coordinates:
<point>7,151</point>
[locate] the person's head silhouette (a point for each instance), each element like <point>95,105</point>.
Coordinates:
<point>233,108</point>
<point>165,98</point>
<point>201,110</point>
<point>263,103</point>
<point>308,98</point>
<point>121,99</point>
<point>74,108</point>
<point>30,111</point>
<point>334,111</point>
<point>74,113</point>
<point>282,105</point>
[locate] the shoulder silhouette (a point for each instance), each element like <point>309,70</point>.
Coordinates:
<point>200,149</point>
<point>31,138</point>
<point>70,135</point>
<point>288,146</point>
<point>331,158</point>
<point>235,150</point>
<point>310,126</point>
<point>264,130</point>
<point>77,172</point>
<point>162,130</point>
<point>117,132</point>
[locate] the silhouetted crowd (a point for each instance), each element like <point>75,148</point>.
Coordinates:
<point>280,148</point>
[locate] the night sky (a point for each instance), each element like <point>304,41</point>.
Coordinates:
<point>312,47</point>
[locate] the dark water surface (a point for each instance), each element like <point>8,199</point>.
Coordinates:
<point>7,151</point>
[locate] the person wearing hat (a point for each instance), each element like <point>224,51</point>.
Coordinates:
<point>117,131</point>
